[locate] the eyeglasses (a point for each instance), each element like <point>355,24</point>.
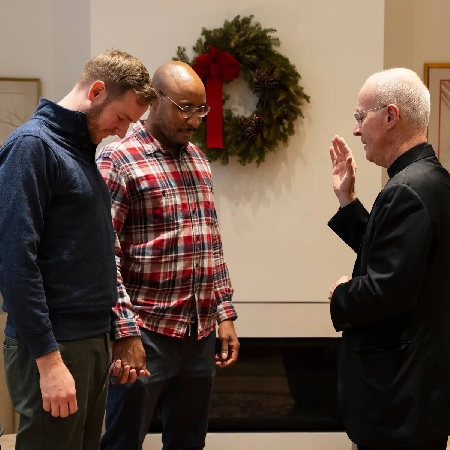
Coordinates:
<point>360,115</point>
<point>188,111</point>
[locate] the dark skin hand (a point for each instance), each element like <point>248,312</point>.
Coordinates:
<point>128,360</point>
<point>129,354</point>
<point>229,344</point>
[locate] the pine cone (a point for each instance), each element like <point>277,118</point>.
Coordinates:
<point>265,81</point>
<point>250,134</point>
<point>258,121</point>
<point>251,125</point>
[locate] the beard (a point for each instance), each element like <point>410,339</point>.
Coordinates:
<point>92,115</point>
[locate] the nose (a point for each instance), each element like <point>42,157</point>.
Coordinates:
<point>195,120</point>
<point>357,129</point>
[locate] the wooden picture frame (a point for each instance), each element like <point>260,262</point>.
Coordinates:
<point>437,79</point>
<point>19,98</point>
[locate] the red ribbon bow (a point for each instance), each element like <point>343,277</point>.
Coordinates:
<point>213,67</point>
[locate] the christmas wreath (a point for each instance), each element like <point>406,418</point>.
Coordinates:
<point>243,46</point>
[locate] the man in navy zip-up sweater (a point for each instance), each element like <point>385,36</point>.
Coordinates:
<point>57,265</point>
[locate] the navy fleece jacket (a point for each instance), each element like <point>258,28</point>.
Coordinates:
<point>57,267</point>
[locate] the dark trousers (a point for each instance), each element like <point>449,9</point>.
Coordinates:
<point>88,361</point>
<point>438,444</point>
<point>182,374</point>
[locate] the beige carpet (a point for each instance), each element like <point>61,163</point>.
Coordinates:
<point>7,442</point>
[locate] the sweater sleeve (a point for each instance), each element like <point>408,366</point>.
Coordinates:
<point>27,172</point>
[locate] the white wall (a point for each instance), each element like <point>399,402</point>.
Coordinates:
<point>416,33</point>
<point>46,39</point>
<point>273,218</point>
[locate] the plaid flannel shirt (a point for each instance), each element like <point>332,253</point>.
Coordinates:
<point>169,254</point>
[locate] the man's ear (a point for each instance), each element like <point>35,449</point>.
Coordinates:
<point>393,115</point>
<point>97,92</point>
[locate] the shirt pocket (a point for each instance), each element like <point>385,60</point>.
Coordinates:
<point>160,211</point>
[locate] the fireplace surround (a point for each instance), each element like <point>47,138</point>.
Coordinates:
<point>274,336</point>
<point>278,385</point>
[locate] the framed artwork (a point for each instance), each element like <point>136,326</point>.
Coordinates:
<point>18,100</point>
<point>437,78</point>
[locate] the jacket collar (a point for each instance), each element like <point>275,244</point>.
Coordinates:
<point>420,151</point>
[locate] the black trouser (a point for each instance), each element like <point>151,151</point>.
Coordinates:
<point>182,374</point>
<point>438,444</point>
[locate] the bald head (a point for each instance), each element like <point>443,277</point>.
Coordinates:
<point>404,88</point>
<point>177,77</point>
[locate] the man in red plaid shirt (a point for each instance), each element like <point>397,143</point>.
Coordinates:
<point>174,286</point>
